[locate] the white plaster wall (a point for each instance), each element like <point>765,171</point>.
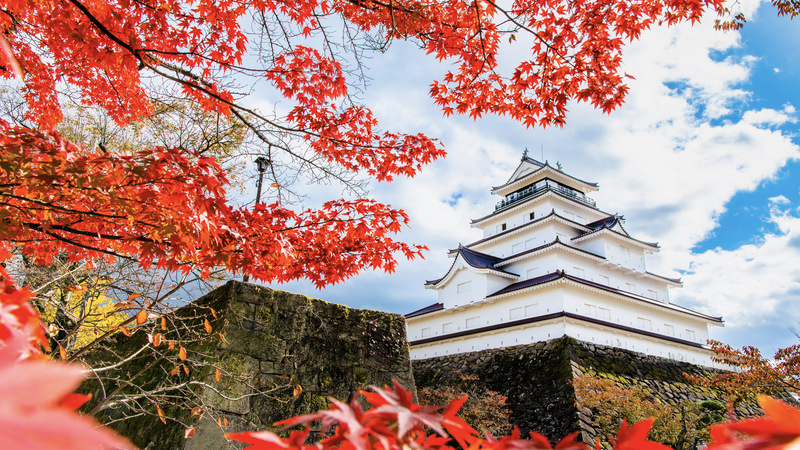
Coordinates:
<point>449,295</point>
<point>559,327</point>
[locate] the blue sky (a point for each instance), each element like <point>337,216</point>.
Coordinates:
<point>702,158</point>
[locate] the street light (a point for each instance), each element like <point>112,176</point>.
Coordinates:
<point>262,164</point>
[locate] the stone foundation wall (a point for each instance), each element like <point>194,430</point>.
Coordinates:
<point>276,341</point>
<point>536,378</point>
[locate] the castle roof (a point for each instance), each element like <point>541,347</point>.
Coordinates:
<point>520,177</point>
<point>476,260</point>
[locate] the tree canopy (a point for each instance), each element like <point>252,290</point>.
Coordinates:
<point>167,206</point>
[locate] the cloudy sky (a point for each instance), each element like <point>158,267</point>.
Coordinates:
<point>702,158</point>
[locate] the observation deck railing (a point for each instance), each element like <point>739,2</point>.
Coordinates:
<point>549,185</point>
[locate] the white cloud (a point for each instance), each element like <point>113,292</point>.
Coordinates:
<point>770,116</point>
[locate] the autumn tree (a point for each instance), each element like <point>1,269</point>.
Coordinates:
<point>751,373</point>
<point>674,425</point>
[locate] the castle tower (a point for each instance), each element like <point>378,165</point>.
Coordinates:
<point>551,264</point>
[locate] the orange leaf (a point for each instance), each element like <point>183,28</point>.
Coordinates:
<point>119,305</point>
<point>157,340</point>
<point>133,297</point>
<point>297,390</point>
<point>175,370</point>
<point>161,414</point>
<point>195,410</point>
<point>213,313</point>
<point>141,317</point>
<point>223,338</point>
<point>188,433</point>
<point>62,352</point>
<point>208,326</point>
<point>74,401</point>
<point>185,369</point>
<point>182,354</point>
<point>125,331</point>
<point>163,324</point>
<point>218,376</point>
<point>171,344</point>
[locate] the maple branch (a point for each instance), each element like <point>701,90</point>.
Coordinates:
<point>524,27</point>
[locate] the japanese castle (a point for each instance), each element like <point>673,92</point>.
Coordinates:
<point>551,264</point>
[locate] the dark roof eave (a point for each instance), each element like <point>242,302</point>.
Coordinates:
<point>426,310</point>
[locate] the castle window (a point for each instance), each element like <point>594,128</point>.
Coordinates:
<point>669,330</point>
<point>690,335</point>
<point>644,324</point>
<point>532,273</point>
<point>473,322</point>
<point>426,332</point>
<point>630,287</point>
<point>515,313</point>
<point>591,310</point>
<point>532,310</point>
<point>580,273</point>
<point>530,243</point>
<point>517,248</point>
<point>604,280</point>
<point>464,287</point>
<point>447,327</point>
<point>604,313</point>
<point>652,294</point>
<point>530,216</point>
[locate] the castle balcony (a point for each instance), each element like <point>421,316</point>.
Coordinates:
<point>541,187</point>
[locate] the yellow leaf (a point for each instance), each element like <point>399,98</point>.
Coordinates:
<point>141,317</point>
<point>218,376</point>
<point>225,421</point>
<point>161,414</point>
<point>182,354</point>
<point>297,390</point>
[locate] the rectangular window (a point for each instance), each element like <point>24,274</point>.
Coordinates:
<point>532,310</point>
<point>690,335</point>
<point>602,279</point>
<point>530,216</point>
<point>530,243</point>
<point>464,287</point>
<point>447,327</point>
<point>517,248</point>
<point>591,310</point>
<point>578,272</point>
<point>515,313</point>
<point>604,313</point>
<point>503,227</point>
<point>669,330</point>
<point>644,324</point>
<point>426,332</point>
<point>630,287</point>
<point>473,322</point>
<point>652,294</point>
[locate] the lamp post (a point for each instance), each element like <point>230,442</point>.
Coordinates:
<point>262,164</point>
